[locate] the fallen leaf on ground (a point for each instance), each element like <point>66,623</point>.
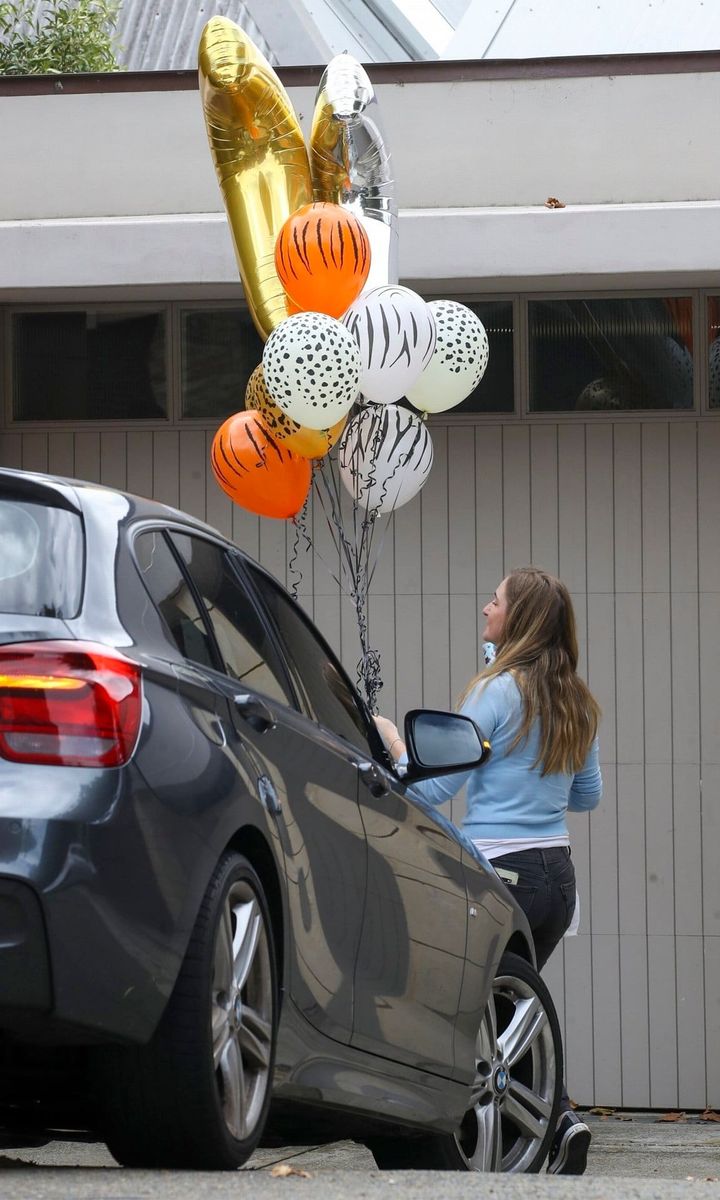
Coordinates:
<point>621,1117</point>
<point>671,1116</point>
<point>282,1170</point>
<point>710,1115</point>
<point>553,202</point>
<point>600,1111</point>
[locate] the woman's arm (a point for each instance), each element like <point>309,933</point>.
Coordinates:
<point>586,787</point>
<point>388,731</point>
<point>486,705</point>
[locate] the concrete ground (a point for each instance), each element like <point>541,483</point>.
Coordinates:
<point>639,1148</point>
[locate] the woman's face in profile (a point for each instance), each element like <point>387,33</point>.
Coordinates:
<point>494,612</point>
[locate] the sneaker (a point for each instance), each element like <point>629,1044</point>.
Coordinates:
<point>569,1149</point>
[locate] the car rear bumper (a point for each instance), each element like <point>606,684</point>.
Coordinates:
<point>96,905</point>
<point>24,957</point>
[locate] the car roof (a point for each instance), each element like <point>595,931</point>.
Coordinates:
<point>76,493</point>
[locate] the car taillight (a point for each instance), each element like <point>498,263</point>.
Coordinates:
<point>73,704</point>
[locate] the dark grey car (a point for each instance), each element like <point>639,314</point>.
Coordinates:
<point>223,914</point>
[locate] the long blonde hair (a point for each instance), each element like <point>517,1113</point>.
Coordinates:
<point>539,647</point>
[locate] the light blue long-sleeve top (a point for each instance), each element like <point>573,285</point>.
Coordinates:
<point>508,797</point>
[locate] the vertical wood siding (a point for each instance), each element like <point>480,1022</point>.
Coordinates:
<point>628,514</point>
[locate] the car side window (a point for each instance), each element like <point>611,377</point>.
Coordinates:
<point>327,691</point>
<point>247,651</point>
<point>173,597</point>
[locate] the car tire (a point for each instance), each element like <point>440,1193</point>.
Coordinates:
<point>516,1093</point>
<point>197,1096</point>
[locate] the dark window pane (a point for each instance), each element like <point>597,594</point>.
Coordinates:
<point>83,366</point>
<point>220,350</point>
<point>610,354</point>
<point>714,343</point>
<point>169,590</point>
<point>42,561</point>
<point>495,392</point>
<point>327,692</point>
<point>246,649</point>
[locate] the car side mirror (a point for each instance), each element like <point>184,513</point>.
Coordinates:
<point>439,743</point>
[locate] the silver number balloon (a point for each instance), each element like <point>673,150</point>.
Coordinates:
<point>350,163</point>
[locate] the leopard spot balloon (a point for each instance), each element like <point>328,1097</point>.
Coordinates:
<point>310,443</point>
<point>458,362</point>
<point>311,366</point>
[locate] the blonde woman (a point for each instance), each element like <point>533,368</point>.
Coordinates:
<point>542,721</point>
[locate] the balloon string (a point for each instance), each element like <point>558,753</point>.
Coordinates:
<point>353,566</point>
<point>294,564</point>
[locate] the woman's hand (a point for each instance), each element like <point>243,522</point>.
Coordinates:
<point>389,733</point>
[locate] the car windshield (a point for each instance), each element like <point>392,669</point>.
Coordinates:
<point>41,560</point>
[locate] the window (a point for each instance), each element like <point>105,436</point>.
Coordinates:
<point>246,649</point>
<point>42,560</point>
<point>173,598</point>
<point>329,696</point>
<point>185,361</point>
<point>495,392</point>
<point>89,364</point>
<point>714,350</point>
<point>610,355</point>
<point>220,349</point>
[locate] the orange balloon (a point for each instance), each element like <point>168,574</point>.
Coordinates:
<point>322,257</point>
<point>255,470</point>
<point>310,443</point>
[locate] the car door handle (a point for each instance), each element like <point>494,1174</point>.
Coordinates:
<point>374,778</point>
<point>253,710</point>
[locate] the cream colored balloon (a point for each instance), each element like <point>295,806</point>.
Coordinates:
<point>458,362</point>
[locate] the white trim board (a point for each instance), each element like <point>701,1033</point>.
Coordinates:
<point>491,248</point>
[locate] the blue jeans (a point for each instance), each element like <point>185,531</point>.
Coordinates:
<point>545,891</point>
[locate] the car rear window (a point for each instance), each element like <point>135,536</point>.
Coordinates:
<point>42,560</point>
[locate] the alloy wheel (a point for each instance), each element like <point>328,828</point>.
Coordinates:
<point>515,1081</point>
<point>242,1010</point>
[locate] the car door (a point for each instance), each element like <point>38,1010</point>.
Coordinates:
<point>306,777</point>
<point>409,971</point>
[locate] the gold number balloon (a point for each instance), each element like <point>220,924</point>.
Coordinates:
<point>260,158</point>
<point>310,443</point>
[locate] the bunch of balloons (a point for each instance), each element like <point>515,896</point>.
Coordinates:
<point>315,236</point>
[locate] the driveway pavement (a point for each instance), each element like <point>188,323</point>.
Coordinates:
<point>634,1156</point>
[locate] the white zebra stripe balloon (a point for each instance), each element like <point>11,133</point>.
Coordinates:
<point>395,333</point>
<point>385,456</point>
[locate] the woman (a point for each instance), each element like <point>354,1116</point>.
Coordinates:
<point>541,720</point>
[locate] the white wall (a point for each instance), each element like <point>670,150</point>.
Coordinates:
<point>468,144</point>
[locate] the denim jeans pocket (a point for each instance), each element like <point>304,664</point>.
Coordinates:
<point>523,895</point>
<point>567,890</point>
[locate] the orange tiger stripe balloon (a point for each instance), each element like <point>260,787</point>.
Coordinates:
<point>255,470</point>
<point>322,257</point>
